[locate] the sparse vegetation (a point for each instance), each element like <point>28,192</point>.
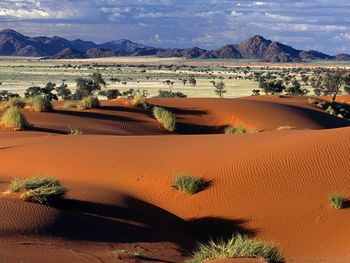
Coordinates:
<point>338,202</point>
<point>89,102</point>
<point>165,117</point>
<point>40,104</point>
<point>237,246</point>
<point>41,189</point>
<point>189,184</point>
<point>13,119</point>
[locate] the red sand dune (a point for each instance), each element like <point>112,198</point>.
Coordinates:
<point>271,185</point>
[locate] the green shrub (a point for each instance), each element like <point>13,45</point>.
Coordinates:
<point>188,184</point>
<point>237,246</point>
<point>70,105</point>
<point>43,189</point>
<point>165,117</point>
<point>89,102</point>
<point>39,103</point>
<point>337,201</point>
<point>13,119</point>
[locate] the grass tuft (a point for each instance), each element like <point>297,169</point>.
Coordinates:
<point>240,129</point>
<point>165,117</point>
<point>285,128</point>
<point>40,104</point>
<point>41,189</point>
<point>13,102</point>
<point>73,131</point>
<point>237,246</point>
<point>338,202</point>
<point>13,119</point>
<point>70,105</point>
<point>89,103</point>
<point>189,184</point>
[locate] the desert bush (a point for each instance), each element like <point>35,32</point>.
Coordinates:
<point>237,246</point>
<point>165,117</point>
<point>39,103</point>
<point>337,201</point>
<point>139,102</point>
<point>189,184</point>
<point>13,102</point>
<point>168,94</point>
<point>70,105</point>
<point>89,102</point>
<point>13,119</point>
<point>42,189</point>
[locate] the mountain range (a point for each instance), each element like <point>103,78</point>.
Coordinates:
<point>13,43</point>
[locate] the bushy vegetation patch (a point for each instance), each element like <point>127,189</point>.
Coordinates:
<point>237,246</point>
<point>165,117</point>
<point>89,102</point>
<point>189,184</point>
<point>338,202</point>
<point>40,104</point>
<point>336,109</point>
<point>13,119</point>
<point>41,189</point>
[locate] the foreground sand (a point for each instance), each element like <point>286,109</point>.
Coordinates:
<point>272,185</point>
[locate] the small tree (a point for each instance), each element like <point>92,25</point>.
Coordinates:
<point>63,92</point>
<point>170,84</point>
<point>332,83</point>
<point>88,86</point>
<point>296,89</point>
<point>272,87</point>
<point>192,81</point>
<point>220,89</point>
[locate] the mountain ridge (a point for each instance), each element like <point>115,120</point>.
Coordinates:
<point>13,43</point>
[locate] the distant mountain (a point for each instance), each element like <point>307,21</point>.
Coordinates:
<point>344,57</point>
<point>255,47</point>
<point>13,43</point>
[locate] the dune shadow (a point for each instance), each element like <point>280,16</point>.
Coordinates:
<point>124,109</point>
<point>46,130</point>
<point>207,228</point>
<point>190,128</point>
<point>96,115</point>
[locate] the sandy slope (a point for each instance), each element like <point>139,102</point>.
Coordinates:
<point>272,185</point>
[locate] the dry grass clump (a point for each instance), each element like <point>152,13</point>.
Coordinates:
<point>237,246</point>
<point>41,189</point>
<point>285,128</point>
<point>139,102</point>
<point>73,131</point>
<point>189,184</point>
<point>13,102</point>
<point>89,102</point>
<point>40,104</point>
<point>240,129</point>
<point>338,202</point>
<point>165,117</point>
<point>70,105</point>
<point>13,119</point>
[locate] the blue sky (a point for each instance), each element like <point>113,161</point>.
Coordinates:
<point>322,25</point>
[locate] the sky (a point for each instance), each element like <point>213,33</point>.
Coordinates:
<point>322,25</point>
